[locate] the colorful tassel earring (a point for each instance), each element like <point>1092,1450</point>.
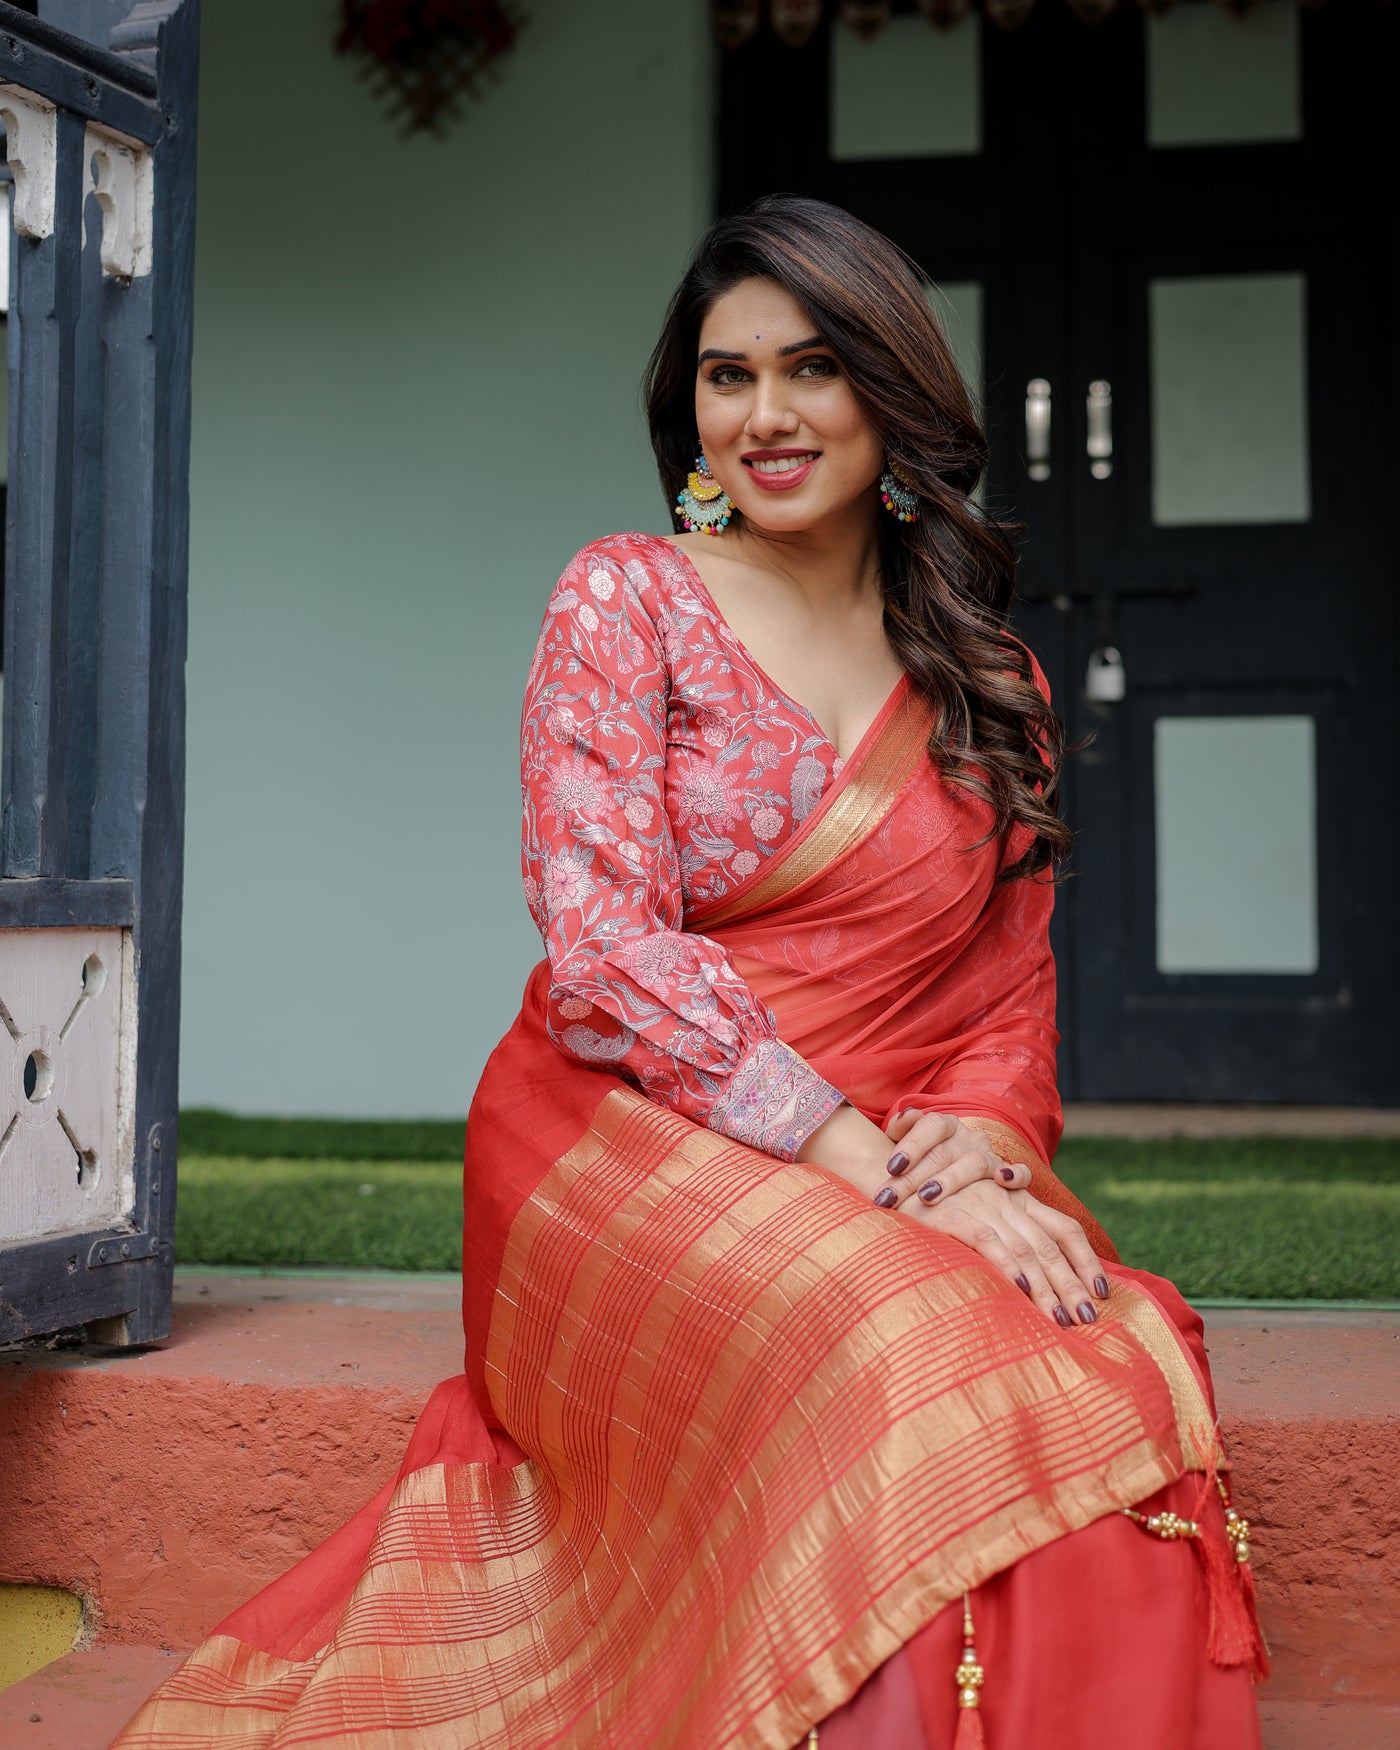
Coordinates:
<point>704,505</point>
<point>897,493</point>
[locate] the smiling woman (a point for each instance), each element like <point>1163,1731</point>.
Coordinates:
<point>789,1356</point>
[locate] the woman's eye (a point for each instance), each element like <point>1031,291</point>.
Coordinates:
<point>727,374</point>
<point>817,368</point>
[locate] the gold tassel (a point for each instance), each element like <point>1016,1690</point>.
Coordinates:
<point>969,1678</point>
<point>812,1739</point>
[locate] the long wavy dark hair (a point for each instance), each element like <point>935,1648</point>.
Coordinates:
<point>948,577</point>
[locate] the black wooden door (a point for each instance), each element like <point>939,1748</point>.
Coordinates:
<point>1213,540</point>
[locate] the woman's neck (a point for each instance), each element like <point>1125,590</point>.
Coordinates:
<point>831,567</point>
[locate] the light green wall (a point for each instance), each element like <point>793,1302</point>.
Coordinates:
<point>415,394</point>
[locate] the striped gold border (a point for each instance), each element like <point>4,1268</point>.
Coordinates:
<point>865,795</point>
<point>1045,1182</point>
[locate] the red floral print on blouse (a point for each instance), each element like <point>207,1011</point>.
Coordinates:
<point>659,768</point>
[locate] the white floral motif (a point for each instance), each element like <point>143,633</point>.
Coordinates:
<point>601,584</point>
<point>567,882</point>
<point>561,723</point>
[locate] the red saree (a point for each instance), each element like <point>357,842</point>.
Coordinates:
<point>729,1438</point>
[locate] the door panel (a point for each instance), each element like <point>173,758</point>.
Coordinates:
<point>1170,225</point>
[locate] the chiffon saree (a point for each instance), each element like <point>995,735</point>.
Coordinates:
<point>731,1443</point>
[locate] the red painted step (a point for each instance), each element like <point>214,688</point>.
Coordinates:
<point>166,1487</point>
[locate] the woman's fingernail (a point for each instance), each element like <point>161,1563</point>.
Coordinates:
<point>897,1164</point>
<point>1006,1173</point>
<point>1021,1283</point>
<point>931,1192</point>
<point>1087,1315</point>
<point>1062,1318</point>
<point>887,1198</point>
<point>1101,1287</point>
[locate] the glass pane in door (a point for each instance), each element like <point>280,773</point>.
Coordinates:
<point>910,91</point>
<point>1217,77</point>
<point>1229,399</point>
<point>1236,844</point>
<point>958,307</point>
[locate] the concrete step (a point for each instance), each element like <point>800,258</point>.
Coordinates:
<point>80,1703</point>
<point>166,1487</point>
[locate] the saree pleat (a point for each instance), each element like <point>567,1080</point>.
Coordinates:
<point>728,1437</point>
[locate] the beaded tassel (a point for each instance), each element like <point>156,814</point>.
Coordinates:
<point>969,1678</point>
<point>1234,1637</point>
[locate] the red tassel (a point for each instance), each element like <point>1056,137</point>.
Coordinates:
<point>1234,1637</point>
<point>969,1735</point>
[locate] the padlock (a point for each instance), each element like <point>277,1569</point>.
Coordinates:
<point>1106,680</point>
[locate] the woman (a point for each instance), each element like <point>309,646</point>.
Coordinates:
<point>789,1359</point>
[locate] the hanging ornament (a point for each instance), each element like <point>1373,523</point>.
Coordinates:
<point>794,21</point>
<point>422,57</point>
<point>1007,14</point>
<point>945,13</point>
<point>734,22</point>
<point>866,18</point>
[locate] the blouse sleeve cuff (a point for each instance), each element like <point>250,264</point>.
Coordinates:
<point>774,1100</point>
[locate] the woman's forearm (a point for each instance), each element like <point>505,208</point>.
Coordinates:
<point>849,1144</point>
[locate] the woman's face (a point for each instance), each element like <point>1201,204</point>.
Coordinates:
<point>778,421</point>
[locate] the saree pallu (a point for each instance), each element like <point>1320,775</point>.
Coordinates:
<point>728,1436</point>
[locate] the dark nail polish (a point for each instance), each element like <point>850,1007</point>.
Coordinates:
<point>1021,1283</point>
<point>1005,1173</point>
<point>1063,1319</point>
<point>887,1198</point>
<point>897,1164</point>
<point>1101,1287</point>
<point>1087,1315</point>
<point>931,1192</point>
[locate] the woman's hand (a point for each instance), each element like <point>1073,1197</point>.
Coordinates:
<point>938,1155</point>
<point>1044,1252</point>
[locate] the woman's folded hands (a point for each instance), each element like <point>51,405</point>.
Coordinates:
<point>948,1176</point>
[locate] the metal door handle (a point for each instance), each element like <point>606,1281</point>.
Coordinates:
<point>1038,428</point>
<point>1100,444</point>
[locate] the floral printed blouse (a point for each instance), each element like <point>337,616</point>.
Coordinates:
<point>660,767</point>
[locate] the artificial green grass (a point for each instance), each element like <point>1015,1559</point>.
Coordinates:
<point>231,1210</point>
<point>1268,1218</point>
<point>203,1131</point>
<point>1261,1218</point>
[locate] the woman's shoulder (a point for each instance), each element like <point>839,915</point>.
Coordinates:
<point>646,567</point>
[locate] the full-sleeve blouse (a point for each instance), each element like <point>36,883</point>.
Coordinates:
<point>660,767</point>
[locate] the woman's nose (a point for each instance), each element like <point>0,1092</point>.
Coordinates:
<point>772,411</point>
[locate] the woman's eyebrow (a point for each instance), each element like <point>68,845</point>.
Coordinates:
<point>711,352</point>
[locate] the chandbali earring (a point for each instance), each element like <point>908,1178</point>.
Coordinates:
<point>898,494</point>
<point>704,505</point>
